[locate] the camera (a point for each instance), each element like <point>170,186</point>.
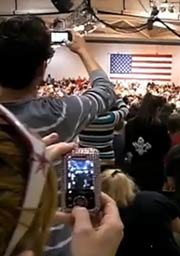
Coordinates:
<point>60,37</point>
<point>81,180</point>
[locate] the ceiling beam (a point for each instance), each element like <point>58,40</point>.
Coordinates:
<point>119,40</point>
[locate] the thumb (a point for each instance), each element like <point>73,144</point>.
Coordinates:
<point>82,220</point>
<point>50,139</point>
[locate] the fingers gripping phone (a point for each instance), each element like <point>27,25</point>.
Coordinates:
<point>81,180</point>
<point>60,37</point>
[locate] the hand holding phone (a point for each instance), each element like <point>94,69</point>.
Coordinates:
<point>81,180</point>
<point>87,239</point>
<point>78,44</point>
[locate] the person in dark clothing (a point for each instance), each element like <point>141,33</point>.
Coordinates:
<point>173,172</point>
<point>174,128</point>
<point>147,141</point>
<point>149,217</point>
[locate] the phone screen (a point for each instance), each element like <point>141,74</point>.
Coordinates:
<point>80,183</point>
<point>59,37</point>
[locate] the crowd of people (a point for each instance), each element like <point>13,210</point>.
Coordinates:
<point>133,92</point>
<point>136,130</point>
<point>70,86</point>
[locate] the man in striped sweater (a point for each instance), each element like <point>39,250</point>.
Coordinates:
<point>99,134</point>
<point>25,47</point>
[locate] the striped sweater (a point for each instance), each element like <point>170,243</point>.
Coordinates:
<point>99,134</point>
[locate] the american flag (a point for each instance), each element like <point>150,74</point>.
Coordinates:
<point>147,67</point>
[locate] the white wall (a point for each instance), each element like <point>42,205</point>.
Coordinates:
<point>67,64</point>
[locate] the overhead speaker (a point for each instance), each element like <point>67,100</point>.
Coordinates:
<point>65,6</point>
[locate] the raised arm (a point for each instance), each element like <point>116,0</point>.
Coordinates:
<point>78,111</point>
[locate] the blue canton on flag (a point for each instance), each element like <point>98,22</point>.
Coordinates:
<point>120,64</point>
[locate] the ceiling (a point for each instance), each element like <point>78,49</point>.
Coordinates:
<point>128,13</point>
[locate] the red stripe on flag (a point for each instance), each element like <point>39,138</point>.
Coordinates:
<point>153,74</point>
<point>152,55</point>
<point>152,61</point>
<point>152,67</point>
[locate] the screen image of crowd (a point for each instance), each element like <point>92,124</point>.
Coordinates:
<point>80,174</point>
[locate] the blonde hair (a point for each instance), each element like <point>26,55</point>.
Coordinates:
<point>14,163</point>
<point>119,186</point>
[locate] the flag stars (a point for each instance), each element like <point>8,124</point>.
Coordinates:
<point>121,64</point>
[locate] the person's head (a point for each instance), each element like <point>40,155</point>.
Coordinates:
<point>174,123</point>
<point>150,108</point>
<point>25,47</point>
<point>119,186</point>
<point>15,161</point>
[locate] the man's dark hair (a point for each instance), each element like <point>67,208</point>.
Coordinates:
<point>25,43</point>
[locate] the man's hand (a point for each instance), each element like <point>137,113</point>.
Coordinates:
<point>78,44</point>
